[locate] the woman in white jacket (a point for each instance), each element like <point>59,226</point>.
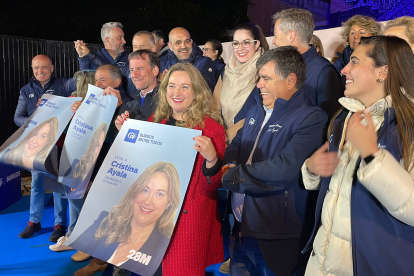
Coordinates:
<point>365,210</point>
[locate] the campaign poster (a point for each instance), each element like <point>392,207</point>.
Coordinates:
<point>131,209</point>
<point>32,146</point>
<point>84,139</point>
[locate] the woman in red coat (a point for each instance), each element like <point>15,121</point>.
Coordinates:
<point>184,100</point>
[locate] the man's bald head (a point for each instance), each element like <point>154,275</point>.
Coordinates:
<point>180,43</point>
<point>42,68</point>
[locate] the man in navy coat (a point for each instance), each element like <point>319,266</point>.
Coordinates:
<point>262,169</point>
<point>42,82</point>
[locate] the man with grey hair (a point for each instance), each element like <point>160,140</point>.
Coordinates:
<point>262,169</point>
<point>323,83</point>
<point>113,53</point>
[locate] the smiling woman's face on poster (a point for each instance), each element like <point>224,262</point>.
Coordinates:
<point>35,144</point>
<point>32,151</point>
<point>151,202</point>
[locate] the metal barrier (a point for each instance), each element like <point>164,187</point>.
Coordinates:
<point>15,70</point>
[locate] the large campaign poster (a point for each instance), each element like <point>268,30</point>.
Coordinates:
<point>84,139</point>
<point>32,146</point>
<point>133,204</point>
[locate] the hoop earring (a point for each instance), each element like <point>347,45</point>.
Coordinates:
<point>380,80</point>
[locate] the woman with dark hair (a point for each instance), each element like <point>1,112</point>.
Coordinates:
<point>238,80</point>
<point>213,49</point>
<point>142,222</point>
<point>365,210</point>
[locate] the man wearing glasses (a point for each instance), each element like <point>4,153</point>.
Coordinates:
<point>42,82</point>
<point>183,49</point>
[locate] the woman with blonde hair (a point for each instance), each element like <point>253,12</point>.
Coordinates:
<point>352,31</point>
<point>185,100</point>
<point>364,221</point>
<point>83,166</point>
<point>31,152</point>
<point>142,222</point>
<point>317,43</point>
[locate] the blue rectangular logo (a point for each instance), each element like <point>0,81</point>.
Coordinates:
<point>90,99</point>
<point>42,102</point>
<point>132,136</point>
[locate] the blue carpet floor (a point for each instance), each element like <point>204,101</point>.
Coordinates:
<point>32,256</point>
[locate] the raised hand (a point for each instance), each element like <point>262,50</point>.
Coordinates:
<point>81,48</point>
<point>361,133</point>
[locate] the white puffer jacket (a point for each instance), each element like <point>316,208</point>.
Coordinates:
<point>332,253</point>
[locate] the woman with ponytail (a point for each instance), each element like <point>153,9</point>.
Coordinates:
<point>365,210</point>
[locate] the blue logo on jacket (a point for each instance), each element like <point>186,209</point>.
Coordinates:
<point>90,99</point>
<point>131,136</point>
<point>42,102</point>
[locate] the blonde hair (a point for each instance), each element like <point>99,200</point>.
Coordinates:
<point>116,227</point>
<point>83,79</point>
<point>405,21</point>
<point>316,42</point>
<point>14,156</point>
<point>201,105</point>
<point>367,23</point>
<point>87,160</point>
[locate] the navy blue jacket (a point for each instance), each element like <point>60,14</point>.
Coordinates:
<point>138,111</point>
<point>31,92</point>
<point>323,82</point>
<point>204,64</point>
<point>342,61</point>
<point>219,67</point>
<point>155,247</point>
<point>102,57</point>
<point>275,198</point>
<point>381,244</point>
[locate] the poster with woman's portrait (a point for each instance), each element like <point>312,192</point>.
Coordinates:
<point>84,139</point>
<point>132,207</point>
<point>32,146</point>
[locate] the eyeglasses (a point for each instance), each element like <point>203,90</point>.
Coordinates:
<point>186,42</point>
<point>207,49</point>
<point>87,70</point>
<point>245,43</point>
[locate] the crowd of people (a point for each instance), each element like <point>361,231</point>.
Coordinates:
<point>317,157</point>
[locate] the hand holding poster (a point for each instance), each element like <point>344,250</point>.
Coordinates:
<point>132,207</point>
<point>31,145</point>
<point>84,139</point>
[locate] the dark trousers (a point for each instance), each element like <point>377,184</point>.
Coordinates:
<point>251,256</point>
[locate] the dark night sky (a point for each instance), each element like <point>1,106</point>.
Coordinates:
<point>71,20</point>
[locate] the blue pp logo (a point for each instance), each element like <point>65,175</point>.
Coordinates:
<point>90,99</point>
<point>132,136</point>
<point>42,102</point>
